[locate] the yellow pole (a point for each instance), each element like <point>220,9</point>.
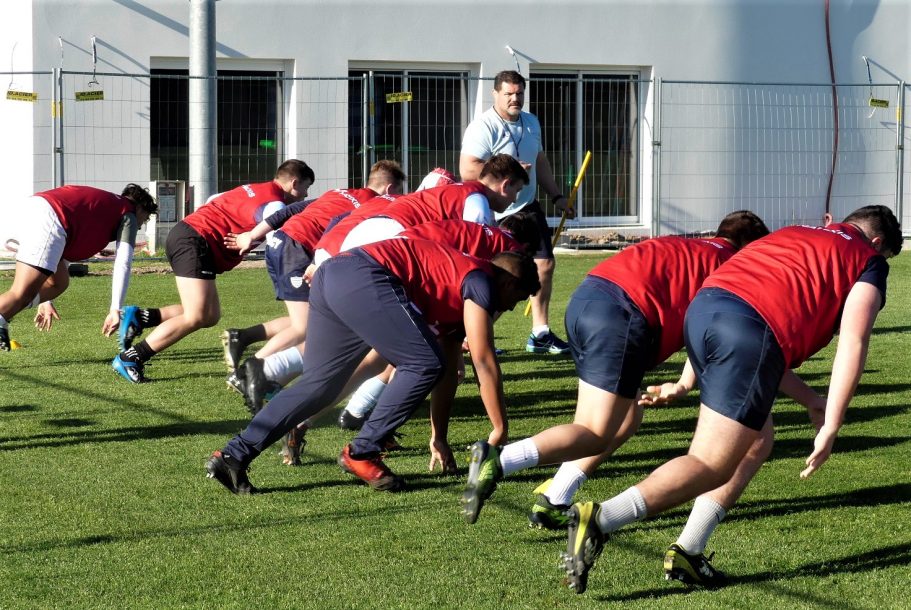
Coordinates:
<point>570,203</point>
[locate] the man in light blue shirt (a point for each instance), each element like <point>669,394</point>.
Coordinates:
<point>505,128</point>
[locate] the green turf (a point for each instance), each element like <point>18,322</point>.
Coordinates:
<point>104,503</point>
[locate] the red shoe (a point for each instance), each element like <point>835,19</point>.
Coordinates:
<point>372,471</point>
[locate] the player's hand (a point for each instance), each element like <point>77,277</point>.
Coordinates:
<point>563,206</point>
<point>239,241</point>
<point>498,437</point>
<point>662,394</point>
<point>111,323</point>
<point>46,315</point>
<point>308,273</point>
<point>441,453</point>
<point>822,449</point>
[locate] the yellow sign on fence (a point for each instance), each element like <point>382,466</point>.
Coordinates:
<point>402,96</point>
<point>21,96</point>
<point>879,103</point>
<point>89,96</point>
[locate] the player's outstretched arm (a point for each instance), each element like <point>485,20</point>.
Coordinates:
<point>441,405</point>
<point>479,330</point>
<point>857,320</point>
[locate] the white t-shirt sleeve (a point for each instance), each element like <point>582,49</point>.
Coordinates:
<point>477,209</point>
<point>478,140</point>
<point>268,210</point>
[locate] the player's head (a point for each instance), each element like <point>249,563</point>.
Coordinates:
<point>145,203</point>
<point>741,227</point>
<point>515,279</point>
<point>505,177</point>
<point>508,94</point>
<point>524,229</point>
<point>386,177</point>
<point>294,177</point>
<point>438,176</point>
<point>881,226</point>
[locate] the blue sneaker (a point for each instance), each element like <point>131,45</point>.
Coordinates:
<point>548,344</point>
<point>130,328</point>
<point>131,371</point>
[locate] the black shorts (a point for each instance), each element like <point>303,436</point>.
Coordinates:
<point>189,254</point>
<point>545,248</point>
<point>286,261</point>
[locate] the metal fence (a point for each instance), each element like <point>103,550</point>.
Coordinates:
<point>668,156</point>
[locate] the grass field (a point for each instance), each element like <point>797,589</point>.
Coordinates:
<point>104,502</point>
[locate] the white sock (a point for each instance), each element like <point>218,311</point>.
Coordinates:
<point>566,483</point>
<point>365,397</point>
<point>703,519</point>
<point>283,366</point>
<point>622,509</point>
<point>519,455</point>
<point>540,331</point>
<point>3,322</point>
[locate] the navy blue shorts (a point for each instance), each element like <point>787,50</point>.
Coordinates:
<point>610,341</point>
<point>286,260</point>
<point>738,362</point>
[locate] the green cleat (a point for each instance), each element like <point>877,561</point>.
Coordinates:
<point>585,543</point>
<point>547,516</point>
<point>483,473</point>
<point>691,569</point>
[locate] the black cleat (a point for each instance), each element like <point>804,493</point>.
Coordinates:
<point>484,472</point>
<point>545,515</point>
<point>227,471</point>
<point>585,543</point>
<point>258,389</point>
<point>691,569</point>
<point>237,382</point>
<point>349,421</point>
<point>234,349</point>
<point>5,344</point>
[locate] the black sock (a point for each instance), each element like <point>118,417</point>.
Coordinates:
<point>149,317</point>
<point>252,334</point>
<point>141,352</point>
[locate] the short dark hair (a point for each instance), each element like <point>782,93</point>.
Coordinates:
<point>141,197</point>
<point>508,76</point>
<point>524,228</point>
<point>882,223</point>
<point>295,168</point>
<point>521,267</point>
<point>388,171</point>
<point>504,166</point>
<point>741,227</point>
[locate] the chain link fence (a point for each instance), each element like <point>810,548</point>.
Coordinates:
<point>669,157</point>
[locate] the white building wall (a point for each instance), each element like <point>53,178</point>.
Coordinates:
<point>712,40</point>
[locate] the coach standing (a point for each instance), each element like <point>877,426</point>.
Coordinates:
<point>505,128</point>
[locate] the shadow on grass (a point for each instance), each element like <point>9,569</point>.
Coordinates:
<point>18,409</point>
<point>119,435</point>
<point>878,559</point>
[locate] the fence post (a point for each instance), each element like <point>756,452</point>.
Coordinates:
<point>656,160</point>
<point>57,129</point>
<point>371,118</point>
<point>364,125</point>
<point>900,152</point>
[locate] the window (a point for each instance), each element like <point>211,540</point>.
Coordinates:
<point>597,112</point>
<point>249,146</point>
<point>421,131</point>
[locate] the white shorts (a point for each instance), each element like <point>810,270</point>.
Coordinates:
<point>370,231</point>
<point>31,233</point>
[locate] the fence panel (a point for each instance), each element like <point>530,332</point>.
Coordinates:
<point>768,148</point>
